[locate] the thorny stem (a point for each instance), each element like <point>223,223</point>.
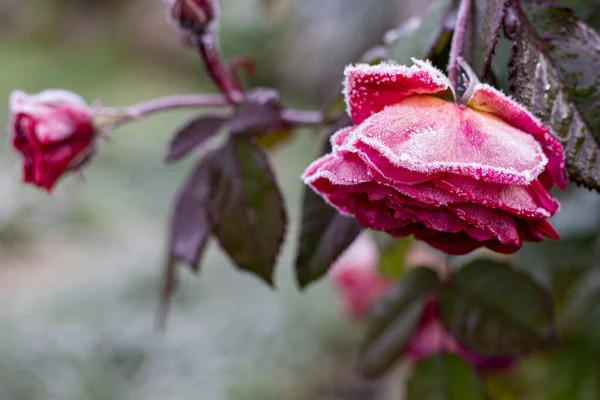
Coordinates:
<point>458,39</point>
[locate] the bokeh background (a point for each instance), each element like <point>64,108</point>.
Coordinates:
<point>79,270</point>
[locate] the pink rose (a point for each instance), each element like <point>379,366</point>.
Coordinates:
<point>457,177</point>
<point>431,337</point>
<point>53,131</point>
<point>356,277</point>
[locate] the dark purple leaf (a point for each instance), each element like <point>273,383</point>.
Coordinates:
<point>258,113</point>
<point>394,319</point>
<point>482,34</point>
<point>190,231</point>
<point>194,134</point>
<point>324,235</point>
<point>496,310</point>
<point>444,377</point>
<point>554,72</point>
<point>191,226</point>
<point>246,208</point>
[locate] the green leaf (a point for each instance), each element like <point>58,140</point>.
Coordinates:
<point>393,320</point>
<point>247,209</point>
<point>574,372</point>
<point>554,73</point>
<point>428,37</point>
<point>482,34</point>
<point>392,253</point>
<point>324,235</point>
<point>193,134</point>
<point>444,377</point>
<point>558,265</point>
<point>496,310</point>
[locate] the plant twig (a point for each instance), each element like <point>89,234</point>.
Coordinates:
<point>173,102</point>
<point>221,74</point>
<point>458,40</point>
<point>114,116</point>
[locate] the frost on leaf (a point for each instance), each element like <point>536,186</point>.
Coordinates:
<point>554,73</point>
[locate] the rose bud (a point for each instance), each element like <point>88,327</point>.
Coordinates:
<point>356,278</point>
<point>431,337</point>
<point>53,131</point>
<point>458,177</point>
<point>191,16</point>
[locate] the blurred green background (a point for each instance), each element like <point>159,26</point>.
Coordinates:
<point>80,269</point>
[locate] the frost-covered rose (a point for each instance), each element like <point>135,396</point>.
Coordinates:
<point>53,131</point>
<point>457,176</point>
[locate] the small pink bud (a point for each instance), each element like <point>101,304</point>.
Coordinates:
<point>54,133</point>
<point>356,278</point>
<point>192,16</point>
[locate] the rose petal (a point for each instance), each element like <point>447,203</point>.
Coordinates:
<point>536,230</point>
<point>496,222</point>
<point>516,199</point>
<point>370,88</point>
<point>381,167</point>
<point>488,99</point>
<point>544,197</point>
<point>430,136</point>
<point>440,220</point>
<point>424,193</point>
<point>478,234</point>
<point>370,214</point>
<point>452,243</point>
<point>338,139</point>
<point>336,170</point>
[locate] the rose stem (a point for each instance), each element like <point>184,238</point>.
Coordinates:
<point>445,271</point>
<point>136,111</point>
<point>174,102</point>
<point>208,47</point>
<point>458,39</point>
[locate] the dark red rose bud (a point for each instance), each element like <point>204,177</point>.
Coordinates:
<point>54,133</point>
<point>192,16</point>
